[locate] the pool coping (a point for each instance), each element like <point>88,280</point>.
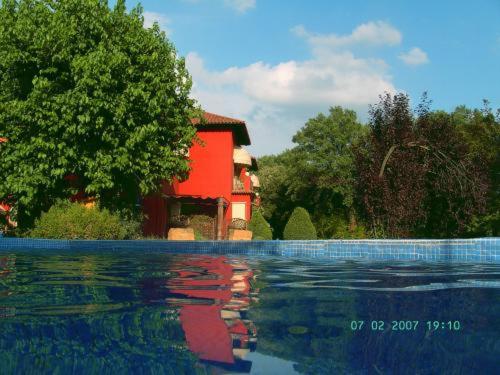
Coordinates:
<point>486,249</point>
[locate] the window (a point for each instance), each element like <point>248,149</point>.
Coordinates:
<point>239,210</point>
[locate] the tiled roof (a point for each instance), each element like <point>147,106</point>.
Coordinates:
<point>239,127</point>
<point>214,119</point>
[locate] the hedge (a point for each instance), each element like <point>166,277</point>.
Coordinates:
<point>66,220</point>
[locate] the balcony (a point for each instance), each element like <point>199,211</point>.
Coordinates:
<point>238,185</point>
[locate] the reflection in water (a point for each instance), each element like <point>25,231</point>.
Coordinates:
<point>214,296</point>
<point>124,312</point>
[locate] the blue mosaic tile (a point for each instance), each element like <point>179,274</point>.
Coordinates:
<point>475,250</point>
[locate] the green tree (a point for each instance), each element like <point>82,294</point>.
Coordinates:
<point>86,90</point>
<point>318,173</point>
<point>325,154</point>
<point>324,163</point>
<point>299,226</point>
<point>260,227</point>
<point>481,131</point>
<point>275,174</point>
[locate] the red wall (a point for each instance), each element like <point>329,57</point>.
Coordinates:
<point>212,166</point>
<point>155,210</point>
<point>211,176</point>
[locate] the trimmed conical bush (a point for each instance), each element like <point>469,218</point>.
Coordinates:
<point>299,226</point>
<point>260,227</point>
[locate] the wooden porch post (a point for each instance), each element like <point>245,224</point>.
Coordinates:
<point>220,217</point>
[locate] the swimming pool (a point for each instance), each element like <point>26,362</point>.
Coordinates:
<point>122,311</point>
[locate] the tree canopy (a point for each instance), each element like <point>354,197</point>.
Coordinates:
<point>416,176</point>
<point>409,173</point>
<point>318,173</point>
<point>87,91</point>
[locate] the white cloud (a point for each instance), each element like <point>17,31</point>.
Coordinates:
<point>151,17</point>
<point>415,56</point>
<point>376,33</point>
<point>240,6</point>
<point>276,100</point>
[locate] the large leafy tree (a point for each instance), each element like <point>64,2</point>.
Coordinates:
<point>481,131</point>
<point>318,173</point>
<point>416,174</point>
<point>324,165</point>
<point>87,91</point>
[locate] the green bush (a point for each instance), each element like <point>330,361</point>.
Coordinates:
<point>337,226</point>
<point>260,227</point>
<point>203,227</point>
<point>66,220</point>
<point>299,226</point>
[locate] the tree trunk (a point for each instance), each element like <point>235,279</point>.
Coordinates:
<point>352,220</point>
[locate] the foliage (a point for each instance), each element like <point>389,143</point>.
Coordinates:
<point>324,156</point>
<point>413,180</point>
<point>274,175</point>
<point>198,236</point>
<point>481,131</point>
<point>318,173</point>
<point>86,90</point>
<point>337,226</point>
<point>202,226</point>
<point>81,316</point>
<point>260,228</point>
<point>238,224</point>
<point>299,226</point>
<point>409,173</point>
<point>66,220</point>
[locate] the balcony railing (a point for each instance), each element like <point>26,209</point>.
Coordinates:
<point>238,184</point>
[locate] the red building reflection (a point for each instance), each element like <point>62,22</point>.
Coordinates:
<point>213,315</point>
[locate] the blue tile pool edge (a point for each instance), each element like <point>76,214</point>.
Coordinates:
<point>461,250</point>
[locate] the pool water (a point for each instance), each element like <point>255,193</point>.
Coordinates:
<point>156,313</point>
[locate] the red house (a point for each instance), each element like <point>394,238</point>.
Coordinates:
<point>220,183</point>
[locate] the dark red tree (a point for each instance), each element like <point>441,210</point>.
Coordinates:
<point>414,174</point>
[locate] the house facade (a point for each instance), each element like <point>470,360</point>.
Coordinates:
<point>220,184</point>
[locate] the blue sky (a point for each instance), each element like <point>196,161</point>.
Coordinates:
<point>276,63</point>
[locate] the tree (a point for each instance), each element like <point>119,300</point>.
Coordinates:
<point>325,170</point>
<point>87,91</point>
<point>260,227</point>
<point>481,131</point>
<point>416,177</point>
<point>299,226</point>
<point>318,173</point>
<point>275,175</point>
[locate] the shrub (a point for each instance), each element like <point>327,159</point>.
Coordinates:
<point>66,220</point>
<point>260,227</point>
<point>238,224</point>
<point>203,226</point>
<point>337,226</point>
<point>299,226</point>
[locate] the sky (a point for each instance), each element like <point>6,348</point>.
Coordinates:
<point>277,63</point>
